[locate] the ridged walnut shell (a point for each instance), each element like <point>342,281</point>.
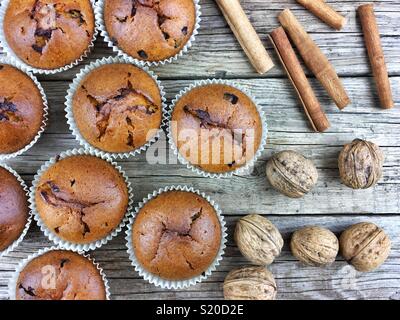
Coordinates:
<point>250,283</point>
<point>258,239</point>
<point>365,246</point>
<point>291,173</point>
<point>314,246</point>
<point>360,164</point>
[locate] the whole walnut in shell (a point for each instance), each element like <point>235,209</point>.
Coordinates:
<point>360,164</point>
<point>314,246</point>
<point>258,239</point>
<point>365,246</point>
<point>291,173</point>
<point>250,283</point>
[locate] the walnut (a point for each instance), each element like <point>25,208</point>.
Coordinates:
<point>365,246</point>
<point>258,239</point>
<point>291,173</point>
<point>314,246</point>
<point>250,283</point>
<point>360,164</point>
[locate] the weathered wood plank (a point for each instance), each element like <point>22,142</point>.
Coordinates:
<point>295,281</point>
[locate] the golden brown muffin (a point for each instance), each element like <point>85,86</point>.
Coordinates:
<point>60,275</point>
<point>151,30</point>
<point>118,108</point>
<point>81,198</point>
<point>13,209</point>
<point>21,109</point>
<point>49,34</point>
<point>176,235</point>
<point>216,127</point>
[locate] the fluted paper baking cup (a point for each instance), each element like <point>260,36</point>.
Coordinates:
<point>75,85</point>
<point>50,234</point>
<point>20,63</point>
<point>99,10</point>
<point>15,244</point>
<point>12,283</point>
<point>245,169</point>
<point>5,156</point>
<point>170,284</point>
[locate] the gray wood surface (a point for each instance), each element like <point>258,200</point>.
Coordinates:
<point>217,54</point>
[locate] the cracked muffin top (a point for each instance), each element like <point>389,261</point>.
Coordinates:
<point>60,275</point>
<point>150,30</point>
<point>13,209</point>
<point>176,235</point>
<point>216,128</point>
<point>81,198</point>
<point>21,109</point>
<point>118,107</point>
<point>49,34</point>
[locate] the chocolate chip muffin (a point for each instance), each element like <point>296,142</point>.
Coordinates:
<point>60,275</point>
<point>81,198</point>
<point>21,109</point>
<point>176,235</point>
<point>150,30</point>
<point>118,107</point>
<point>216,127</point>
<point>14,209</point>
<point>49,34</point>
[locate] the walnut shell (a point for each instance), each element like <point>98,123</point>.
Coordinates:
<point>360,164</point>
<point>258,239</point>
<point>291,173</point>
<point>314,246</point>
<point>365,246</point>
<point>250,283</point>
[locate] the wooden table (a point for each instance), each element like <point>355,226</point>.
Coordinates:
<point>217,54</point>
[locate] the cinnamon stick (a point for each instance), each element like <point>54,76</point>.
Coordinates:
<point>376,55</point>
<point>246,35</point>
<point>325,12</point>
<point>314,58</point>
<point>289,60</point>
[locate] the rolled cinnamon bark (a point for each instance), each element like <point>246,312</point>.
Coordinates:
<point>376,55</point>
<point>246,35</point>
<point>314,58</point>
<point>325,12</point>
<point>295,72</point>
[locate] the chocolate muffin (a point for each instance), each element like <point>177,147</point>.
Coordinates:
<point>176,235</point>
<point>60,275</point>
<point>49,34</point>
<point>216,128</point>
<point>21,109</point>
<point>118,107</point>
<point>81,198</point>
<point>14,209</point>
<point>150,30</point>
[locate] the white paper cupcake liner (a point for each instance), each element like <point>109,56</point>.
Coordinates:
<point>103,32</point>
<point>240,170</point>
<point>12,283</point>
<point>5,156</point>
<point>75,85</point>
<point>50,234</point>
<point>15,244</point>
<point>20,63</point>
<point>170,284</point>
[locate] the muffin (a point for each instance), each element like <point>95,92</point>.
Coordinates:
<point>81,199</point>
<point>14,209</point>
<point>150,30</point>
<point>49,34</point>
<point>21,109</point>
<point>117,107</point>
<point>176,235</point>
<point>60,275</point>
<point>216,128</point>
